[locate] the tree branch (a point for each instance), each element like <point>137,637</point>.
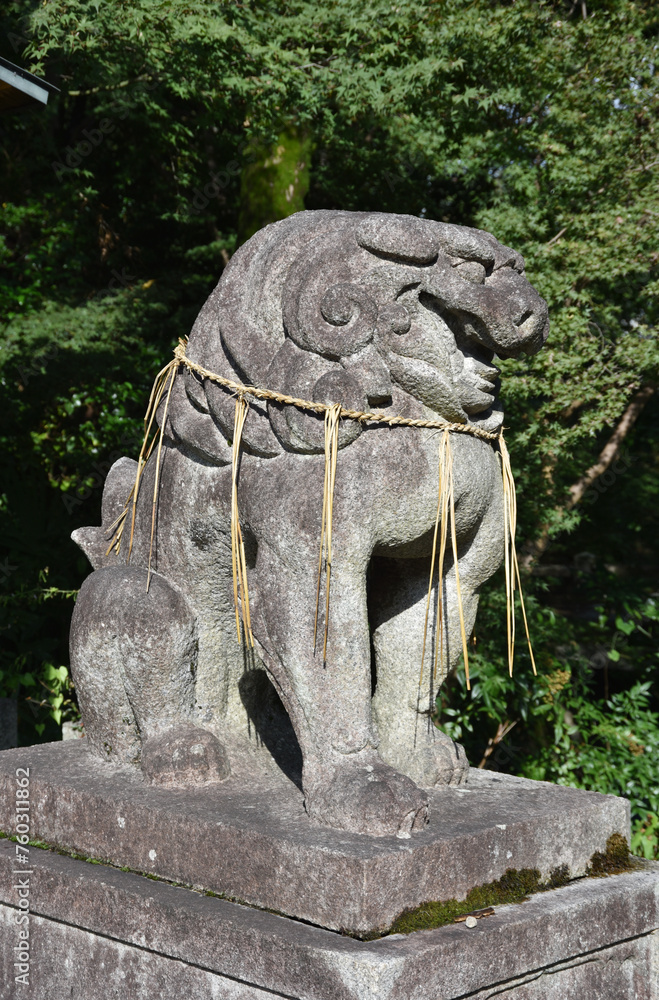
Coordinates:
<point>111,87</point>
<point>608,454</point>
<point>612,448</point>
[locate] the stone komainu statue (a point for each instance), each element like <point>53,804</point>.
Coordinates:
<point>371,311</point>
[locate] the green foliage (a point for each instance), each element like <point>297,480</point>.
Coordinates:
<point>613,746</point>
<point>521,119</point>
<point>563,732</point>
<point>645,840</point>
<point>122,202</point>
<point>45,691</point>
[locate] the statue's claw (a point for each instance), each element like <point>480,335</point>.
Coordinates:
<point>362,794</point>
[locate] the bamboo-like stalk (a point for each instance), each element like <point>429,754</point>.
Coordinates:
<point>331,428</point>
<point>238,564</point>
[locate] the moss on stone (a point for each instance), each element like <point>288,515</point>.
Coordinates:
<point>514,886</point>
<point>617,858</point>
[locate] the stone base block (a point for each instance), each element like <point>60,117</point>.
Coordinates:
<point>250,839</point>
<point>97,932</point>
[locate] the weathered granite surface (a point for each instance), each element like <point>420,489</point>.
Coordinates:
<point>251,839</point>
<point>101,933</point>
<point>373,311</point>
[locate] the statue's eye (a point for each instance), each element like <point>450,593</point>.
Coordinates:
<point>472,271</point>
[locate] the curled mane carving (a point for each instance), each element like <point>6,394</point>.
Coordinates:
<point>328,306</point>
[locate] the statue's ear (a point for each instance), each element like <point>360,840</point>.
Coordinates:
<point>399,237</point>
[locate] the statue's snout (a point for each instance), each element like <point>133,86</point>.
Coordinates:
<point>505,314</point>
<point>515,316</point>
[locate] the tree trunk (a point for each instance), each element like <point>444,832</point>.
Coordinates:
<point>274,181</point>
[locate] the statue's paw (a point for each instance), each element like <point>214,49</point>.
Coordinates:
<point>432,759</point>
<point>362,794</point>
<point>443,761</point>
<point>184,756</point>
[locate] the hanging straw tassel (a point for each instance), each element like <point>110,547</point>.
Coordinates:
<point>239,566</point>
<point>332,419</point>
<point>454,545</point>
<point>154,402</point>
<point>156,479</point>
<point>445,460</point>
<point>160,386</point>
<point>445,514</point>
<point>441,520</point>
<point>510,557</point>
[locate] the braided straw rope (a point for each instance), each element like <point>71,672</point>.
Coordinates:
<point>307,404</point>
<point>333,413</point>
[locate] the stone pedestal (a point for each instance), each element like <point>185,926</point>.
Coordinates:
<point>97,931</point>
<point>250,839</point>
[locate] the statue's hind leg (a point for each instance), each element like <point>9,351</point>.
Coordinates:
<point>133,659</point>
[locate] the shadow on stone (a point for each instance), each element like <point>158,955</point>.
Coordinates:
<point>271,723</point>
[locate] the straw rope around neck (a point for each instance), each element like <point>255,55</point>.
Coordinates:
<point>333,414</point>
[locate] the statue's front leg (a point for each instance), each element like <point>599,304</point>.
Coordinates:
<point>346,783</point>
<point>404,697</point>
